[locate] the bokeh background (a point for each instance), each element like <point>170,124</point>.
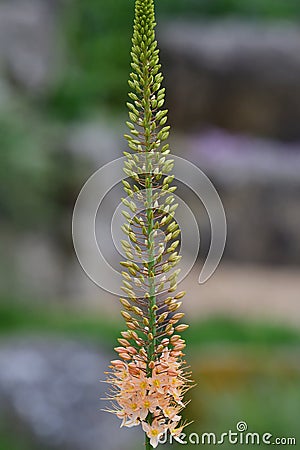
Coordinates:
<point>232,72</point>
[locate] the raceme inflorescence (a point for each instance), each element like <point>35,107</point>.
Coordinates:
<point>149,378</point>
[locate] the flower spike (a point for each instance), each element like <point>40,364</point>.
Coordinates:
<point>149,378</point>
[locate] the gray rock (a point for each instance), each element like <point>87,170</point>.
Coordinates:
<point>235,74</point>
<point>258,182</point>
<point>236,159</point>
<point>99,141</point>
<point>53,388</point>
<point>29,42</point>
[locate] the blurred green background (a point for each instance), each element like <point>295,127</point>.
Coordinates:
<point>232,73</point>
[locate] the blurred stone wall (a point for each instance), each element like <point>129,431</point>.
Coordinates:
<point>30,45</point>
<point>238,75</point>
<point>259,183</point>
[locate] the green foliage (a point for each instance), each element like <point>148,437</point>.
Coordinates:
<point>22,165</point>
<point>224,330</point>
<point>16,317</point>
<point>98,41</point>
<point>258,9</point>
<point>98,35</point>
<point>36,190</point>
<point>14,441</point>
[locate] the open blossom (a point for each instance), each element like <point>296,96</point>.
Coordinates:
<point>159,396</point>
<point>154,431</point>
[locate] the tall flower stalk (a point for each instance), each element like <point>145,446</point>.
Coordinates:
<point>149,379</point>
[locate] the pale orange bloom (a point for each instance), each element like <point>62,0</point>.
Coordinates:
<point>160,395</point>
<point>147,404</point>
<point>154,431</point>
<point>171,412</point>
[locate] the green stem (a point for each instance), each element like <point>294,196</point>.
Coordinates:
<point>145,14</point>
<point>151,265</point>
<point>149,192</point>
<point>147,443</point>
<point>151,253</point>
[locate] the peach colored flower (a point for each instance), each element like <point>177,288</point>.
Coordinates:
<point>158,395</point>
<point>171,412</point>
<point>147,404</point>
<point>154,431</point>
